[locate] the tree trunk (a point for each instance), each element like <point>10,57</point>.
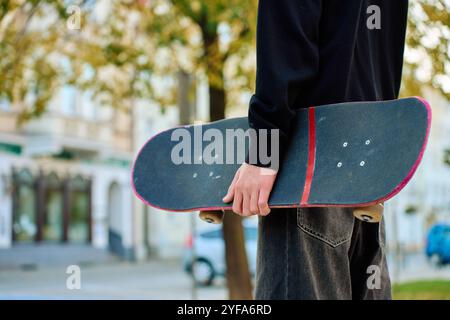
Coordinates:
<point>238,274</point>
<point>217,104</point>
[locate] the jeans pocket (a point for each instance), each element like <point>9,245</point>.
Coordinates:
<point>333,226</point>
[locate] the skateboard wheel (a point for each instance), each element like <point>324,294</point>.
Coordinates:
<point>369,214</point>
<point>211,217</point>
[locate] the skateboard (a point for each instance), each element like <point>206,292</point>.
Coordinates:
<point>356,154</point>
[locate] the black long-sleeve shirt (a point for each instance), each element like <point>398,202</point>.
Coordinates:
<point>315,52</point>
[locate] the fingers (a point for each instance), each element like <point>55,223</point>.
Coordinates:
<point>263,202</point>
<point>230,194</point>
<point>245,200</point>
<point>254,209</point>
<point>250,190</point>
<point>237,203</point>
<point>246,204</point>
<point>253,202</point>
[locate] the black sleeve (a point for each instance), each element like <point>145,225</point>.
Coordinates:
<point>287,60</point>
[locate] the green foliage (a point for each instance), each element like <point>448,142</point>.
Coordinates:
<point>122,54</point>
<point>116,55</point>
<point>27,78</point>
<point>411,210</point>
<point>447,157</point>
<point>428,44</point>
<point>169,36</point>
<point>422,290</point>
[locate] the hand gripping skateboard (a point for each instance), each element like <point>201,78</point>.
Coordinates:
<point>356,154</point>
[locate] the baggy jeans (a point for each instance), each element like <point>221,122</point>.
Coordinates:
<point>320,253</point>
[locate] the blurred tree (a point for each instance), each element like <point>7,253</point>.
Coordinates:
<point>145,43</point>
<point>27,74</point>
<point>427,58</point>
<point>122,50</point>
<point>226,30</point>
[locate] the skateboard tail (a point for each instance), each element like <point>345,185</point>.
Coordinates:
<point>419,158</point>
<point>422,152</point>
<point>312,159</point>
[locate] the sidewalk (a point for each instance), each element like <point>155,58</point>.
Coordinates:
<point>116,280</point>
<point>155,279</point>
<point>35,256</point>
<point>413,267</point>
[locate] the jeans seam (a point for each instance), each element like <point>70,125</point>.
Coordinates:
<point>381,240</point>
<point>287,257</point>
<point>320,236</point>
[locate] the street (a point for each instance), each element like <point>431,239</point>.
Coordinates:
<point>154,279</point>
<point>117,280</point>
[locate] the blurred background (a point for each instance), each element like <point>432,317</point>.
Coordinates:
<point>83,84</point>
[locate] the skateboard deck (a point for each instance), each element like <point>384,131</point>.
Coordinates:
<point>344,155</point>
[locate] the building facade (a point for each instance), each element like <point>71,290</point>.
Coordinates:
<point>426,199</point>
<point>64,177</point>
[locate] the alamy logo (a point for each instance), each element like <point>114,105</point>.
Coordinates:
<point>213,146</point>
<point>374,279</point>
<point>74,19</point>
<point>73,281</point>
<point>374,20</point>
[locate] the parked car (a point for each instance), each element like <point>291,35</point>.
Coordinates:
<point>438,244</point>
<point>209,249</point>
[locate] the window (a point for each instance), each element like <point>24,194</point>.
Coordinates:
<point>53,217</point>
<point>24,214</point>
<point>79,215</point>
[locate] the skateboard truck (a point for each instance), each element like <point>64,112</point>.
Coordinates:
<point>368,214</point>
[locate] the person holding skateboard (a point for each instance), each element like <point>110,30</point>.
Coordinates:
<point>309,53</point>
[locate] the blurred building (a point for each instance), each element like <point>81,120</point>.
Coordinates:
<point>164,234</point>
<point>426,199</point>
<point>65,177</point>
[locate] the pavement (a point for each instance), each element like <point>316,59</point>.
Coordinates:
<point>35,255</point>
<point>158,279</point>
<point>109,278</point>
<point>414,267</point>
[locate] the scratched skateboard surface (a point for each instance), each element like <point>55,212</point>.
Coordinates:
<point>347,154</point>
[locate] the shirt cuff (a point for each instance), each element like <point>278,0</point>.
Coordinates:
<point>267,147</point>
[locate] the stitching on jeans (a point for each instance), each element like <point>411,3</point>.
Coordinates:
<point>287,258</point>
<point>318,235</point>
<point>381,235</point>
